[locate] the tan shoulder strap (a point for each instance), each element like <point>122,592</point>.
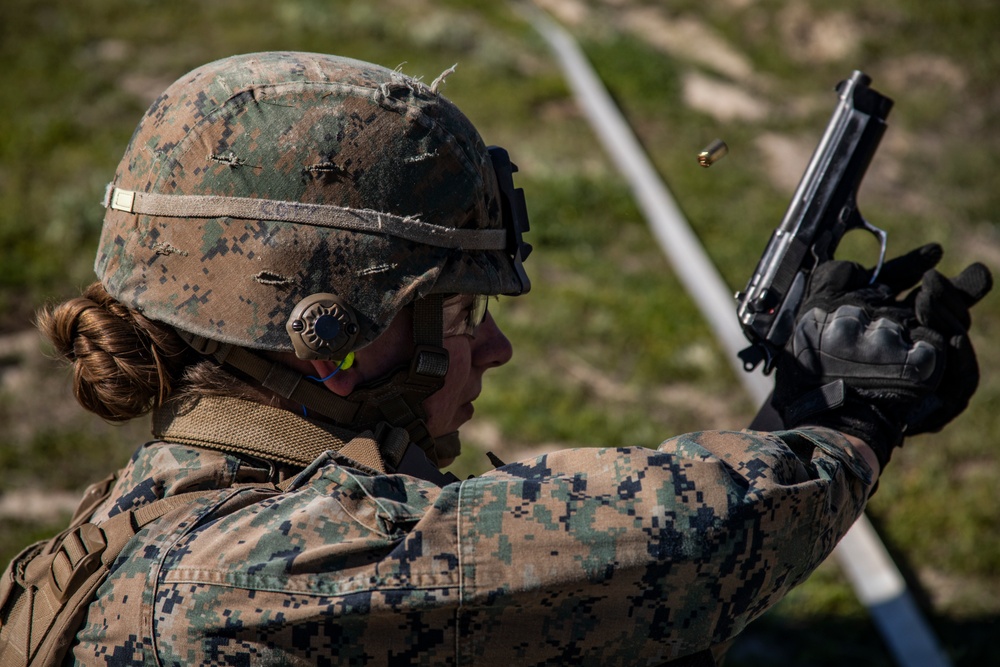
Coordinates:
<point>258,430</point>
<point>46,589</point>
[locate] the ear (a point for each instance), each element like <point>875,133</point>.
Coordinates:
<point>340,382</point>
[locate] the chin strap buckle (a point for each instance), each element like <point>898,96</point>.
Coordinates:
<point>429,365</point>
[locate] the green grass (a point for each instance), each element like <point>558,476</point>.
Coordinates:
<point>62,460</point>
<point>15,534</point>
<point>609,350</point>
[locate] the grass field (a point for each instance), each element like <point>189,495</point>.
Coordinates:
<point>608,348</point>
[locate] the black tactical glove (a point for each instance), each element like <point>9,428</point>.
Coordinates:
<point>943,304</point>
<point>867,364</point>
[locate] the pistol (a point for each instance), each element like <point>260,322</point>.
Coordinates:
<point>823,209</point>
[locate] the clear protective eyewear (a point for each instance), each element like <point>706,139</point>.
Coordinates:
<point>463,313</point>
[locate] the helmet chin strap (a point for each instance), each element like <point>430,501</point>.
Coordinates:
<point>396,399</point>
<point>399,397</point>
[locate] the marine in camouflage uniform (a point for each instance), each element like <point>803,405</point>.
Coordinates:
<point>588,556</point>
<point>289,212</point>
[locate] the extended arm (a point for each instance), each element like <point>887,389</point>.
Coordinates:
<point>657,553</point>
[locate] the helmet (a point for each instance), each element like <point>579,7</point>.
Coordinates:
<point>295,202</point>
<point>258,181</point>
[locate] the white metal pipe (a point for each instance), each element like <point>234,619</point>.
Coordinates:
<point>875,578</point>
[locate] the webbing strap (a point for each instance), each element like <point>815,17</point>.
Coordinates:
<point>49,586</point>
<point>291,385</point>
<point>398,403</point>
<point>276,377</point>
<point>393,442</point>
<point>318,215</point>
<point>245,427</point>
<point>365,451</point>
<point>428,327</point>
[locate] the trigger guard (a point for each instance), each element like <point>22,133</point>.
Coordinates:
<point>883,239</point>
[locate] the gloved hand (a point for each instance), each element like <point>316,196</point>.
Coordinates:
<point>943,304</point>
<point>868,364</point>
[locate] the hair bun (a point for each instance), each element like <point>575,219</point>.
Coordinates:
<point>123,363</point>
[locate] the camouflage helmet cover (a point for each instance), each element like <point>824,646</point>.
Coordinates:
<point>291,169</point>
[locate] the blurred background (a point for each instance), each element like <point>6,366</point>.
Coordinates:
<point>609,350</point>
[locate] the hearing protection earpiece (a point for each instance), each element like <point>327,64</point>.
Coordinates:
<point>321,326</point>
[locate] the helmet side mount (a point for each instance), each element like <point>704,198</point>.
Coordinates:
<point>322,326</point>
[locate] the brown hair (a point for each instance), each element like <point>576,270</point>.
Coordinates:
<point>125,364</point>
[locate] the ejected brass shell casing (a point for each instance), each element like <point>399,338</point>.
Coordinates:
<point>714,152</point>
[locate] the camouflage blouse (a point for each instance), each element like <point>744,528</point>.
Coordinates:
<point>587,556</point>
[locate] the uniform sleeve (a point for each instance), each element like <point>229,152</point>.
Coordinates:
<point>649,554</point>
<point>588,556</point>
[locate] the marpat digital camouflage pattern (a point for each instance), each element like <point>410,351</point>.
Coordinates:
<point>299,128</point>
<point>581,557</point>
<point>591,556</point>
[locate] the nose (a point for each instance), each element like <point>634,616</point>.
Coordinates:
<point>491,348</point>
